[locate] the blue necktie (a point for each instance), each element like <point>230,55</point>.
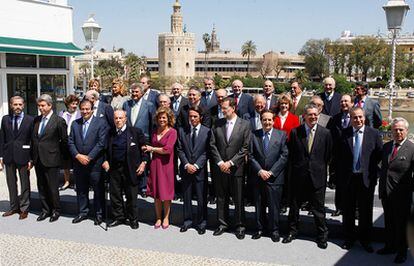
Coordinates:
<point>356,164</point>
<point>42,126</point>
<point>266,141</point>
<point>84,130</point>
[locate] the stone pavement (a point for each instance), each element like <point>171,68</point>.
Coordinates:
<point>30,242</point>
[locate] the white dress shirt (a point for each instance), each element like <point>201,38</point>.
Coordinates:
<point>44,121</point>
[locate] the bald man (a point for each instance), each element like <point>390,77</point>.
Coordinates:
<point>243,101</point>
<point>330,97</point>
<point>268,94</point>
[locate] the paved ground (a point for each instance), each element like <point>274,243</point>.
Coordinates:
<point>30,242</point>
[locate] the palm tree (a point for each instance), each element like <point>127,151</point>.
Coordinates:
<point>248,49</point>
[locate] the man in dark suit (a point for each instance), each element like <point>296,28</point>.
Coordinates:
<point>215,111</point>
<point>101,109</point>
<point>268,158</point>
<point>178,101</point>
<point>194,99</point>
<point>229,146</point>
<point>396,189</point>
<point>259,102</point>
<point>15,139</point>
<point>359,154</point>
<point>243,101</point>
<point>330,97</point>
<point>310,149</point>
<point>49,140</point>
<point>298,99</point>
<point>150,94</point>
<point>87,141</point>
<point>323,119</point>
<point>371,107</point>
<point>208,96</point>
<point>192,149</point>
<point>271,99</point>
<point>125,161</point>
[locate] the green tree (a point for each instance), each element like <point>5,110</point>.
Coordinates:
<point>316,61</point>
<point>134,65</point>
<point>108,69</point>
<point>248,49</point>
<point>342,84</point>
<point>301,76</point>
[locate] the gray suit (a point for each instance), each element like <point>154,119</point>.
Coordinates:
<point>324,120</point>
<point>373,117</point>
<point>235,150</point>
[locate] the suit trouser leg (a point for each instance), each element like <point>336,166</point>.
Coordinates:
<point>42,188</point>
<point>117,202</point>
<point>274,196</point>
<point>318,209</point>
<point>11,179</point>
<point>97,182</point>
<point>187,197</point>
<point>201,192</point>
<point>365,202</point>
<point>258,201</point>
<point>222,193</point>
<point>400,205</point>
<point>53,187</point>
<point>348,218</point>
<point>24,175</point>
<point>389,223</point>
<point>237,184</point>
<point>294,205</point>
<point>82,191</point>
<point>131,193</point>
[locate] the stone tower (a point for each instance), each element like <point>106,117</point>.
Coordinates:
<point>176,49</point>
<point>215,44</point>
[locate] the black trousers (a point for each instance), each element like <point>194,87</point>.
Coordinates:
<point>23,203</point>
<point>86,178</point>
<point>48,186</point>
<point>227,185</point>
<point>396,213</point>
<point>120,183</point>
<point>267,195</point>
<point>189,185</point>
<point>316,197</point>
<point>357,194</point>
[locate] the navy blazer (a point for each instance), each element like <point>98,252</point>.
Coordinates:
<point>106,112</point>
<point>274,159</point>
<point>333,106</point>
<point>373,116</point>
<point>371,151</point>
<point>93,145</point>
<point>213,100</point>
<point>183,102</point>
<point>194,155</point>
<point>153,97</point>
<point>182,119</point>
<point>273,103</point>
<point>245,105</point>
<point>145,116</point>
<point>16,149</point>
<point>251,119</point>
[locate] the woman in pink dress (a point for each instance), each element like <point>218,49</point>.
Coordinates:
<point>160,184</point>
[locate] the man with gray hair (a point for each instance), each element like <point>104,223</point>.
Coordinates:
<point>177,100</point>
<point>330,97</point>
<point>396,189</point>
<point>164,100</point>
<point>100,108</point>
<point>259,102</point>
<point>208,96</point>
<point>324,120</point>
<point>50,144</point>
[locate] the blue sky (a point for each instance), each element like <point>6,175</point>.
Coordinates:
<point>278,25</point>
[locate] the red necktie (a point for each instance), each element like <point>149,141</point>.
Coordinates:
<point>295,103</point>
<point>236,100</point>
<point>394,151</point>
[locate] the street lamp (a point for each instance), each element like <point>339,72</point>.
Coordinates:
<point>395,11</point>
<point>91,31</point>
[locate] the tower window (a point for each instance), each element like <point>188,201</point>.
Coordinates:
<point>169,64</point>
<point>187,49</point>
<point>169,49</point>
<point>187,65</point>
<point>178,49</point>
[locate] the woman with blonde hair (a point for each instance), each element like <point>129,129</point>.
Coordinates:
<point>119,94</point>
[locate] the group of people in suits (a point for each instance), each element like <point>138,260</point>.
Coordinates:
<point>286,145</point>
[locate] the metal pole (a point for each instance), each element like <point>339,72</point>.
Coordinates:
<point>92,72</point>
<point>392,80</point>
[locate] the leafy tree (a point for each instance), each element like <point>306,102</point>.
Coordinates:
<point>248,49</point>
<point>264,67</point>
<point>316,61</point>
<point>134,65</point>
<point>109,69</point>
<point>301,76</point>
<point>342,84</point>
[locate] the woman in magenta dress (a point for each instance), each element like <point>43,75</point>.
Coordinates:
<point>160,184</point>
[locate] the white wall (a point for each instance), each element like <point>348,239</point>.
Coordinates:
<point>37,20</point>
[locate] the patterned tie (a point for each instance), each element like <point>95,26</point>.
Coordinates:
<point>134,113</point>
<point>356,165</point>
<point>311,136</point>
<point>266,141</point>
<point>176,103</point>
<point>208,97</point>
<point>345,121</point>
<point>236,101</point>
<point>394,151</point>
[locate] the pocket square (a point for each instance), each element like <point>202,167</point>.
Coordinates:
<point>101,115</point>
<point>403,158</point>
<point>133,144</point>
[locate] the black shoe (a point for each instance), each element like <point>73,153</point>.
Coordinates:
<point>54,217</point>
<point>79,219</point>
<point>201,231</point>
<point>385,251</point>
<point>288,239</point>
<point>134,224</point>
<point>310,213</point>
<point>283,210</point>
<point>42,216</point>
<point>367,246</point>
<point>257,235</point>
<point>184,228</point>
<point>98,220</point>
<point>336,213</point>
<point>275,237</point>
<point>331,185</point>
<point>347,245</point>
<point>322,244</point>
<point>219,231</point>
<point>212,201</point>
<point>143,194</point>
<point>116,223</point>
<point>240,234</point>
<point>248,204</point>
<point>400,258</point>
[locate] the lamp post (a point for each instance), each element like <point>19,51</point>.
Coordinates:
<point>395,11</point>
<point>91,30</point>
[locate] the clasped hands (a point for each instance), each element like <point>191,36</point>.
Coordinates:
<point>191,169</point>
<point>147,148</point>
<point>265,175</point>
<point>83,159</point>
<point>225,167</point>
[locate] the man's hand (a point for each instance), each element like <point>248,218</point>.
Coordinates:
<point>141,169</point>
<point>105,166</point>
<point>191,169</point>
<point>225,167</point>
<point>265,175</point>
<point>83,159</point>
<point>29,165</point>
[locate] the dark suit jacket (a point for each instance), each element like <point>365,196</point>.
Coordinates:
<point>314,164</point>
<point>274,159</point>
<point>16,149</point>
<point>397,174</point>
<point>251,119</point>
<point>194,155</point>
<point>182,120</point>
<point>52,146</point>
<point>153,97</point>
<point>273,103</point>
<point>93,145</point>
<point>105,111</point>
<point>145,116</point>
<point>235,149</point>
<point>245,105</point>
<point>134,155</point>
<point>213,100</point>
<point>183,102</point>
<point>214,111</point>
<point>371,151</point>
<point>331,107</point>
<point>373,117</point>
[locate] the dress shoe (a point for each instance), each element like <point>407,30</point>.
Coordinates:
<point>336,213</point>
<point>283,210</point>
<point>288,239</point>
<point>219,231</point>
<point>367,246</point>
<point>400,258</point>
<point>11,212</point>
<point>212,201</point>
<point>322,244</point>
<point>79,219</point>
<point>134,224</point>
<point>116,223</point>
<point>385,251</point>
<point>201,231</point>
<point>347,245</point>
<point>98,220</point>
<point>184,228</point>
<point>257,235</point>
<point>42,216</point>
<point>23,215</point>
<point>240,234</point>
<point>54,217</point>
<point>275,237</point>
<point>331,185</point>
